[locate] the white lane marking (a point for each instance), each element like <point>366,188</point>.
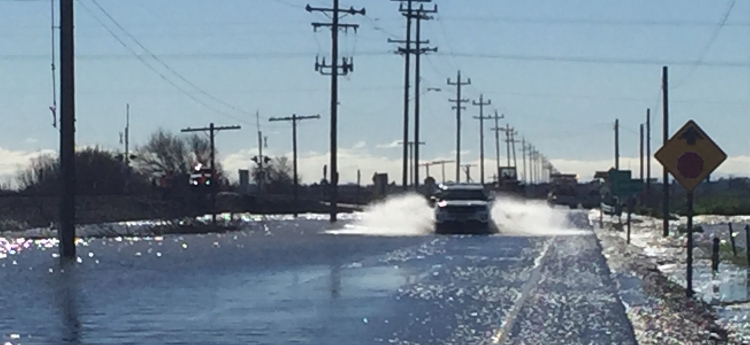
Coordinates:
<point>536,275</point>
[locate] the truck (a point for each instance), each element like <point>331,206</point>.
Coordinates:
<point>563,190</point>
<point>508,182</point>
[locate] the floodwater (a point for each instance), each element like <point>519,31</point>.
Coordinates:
<point>381,278</point>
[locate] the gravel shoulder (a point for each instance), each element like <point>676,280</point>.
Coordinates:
<point>575,301</point>
<point>657,307</point>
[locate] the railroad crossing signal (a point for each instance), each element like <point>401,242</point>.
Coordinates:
<point>690,156</point>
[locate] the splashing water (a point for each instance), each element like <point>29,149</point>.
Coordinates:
<point>402,215</point>
<point>532,218</point>
<point>411,215</point>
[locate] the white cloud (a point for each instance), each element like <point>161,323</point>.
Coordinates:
<point>31,141</point>
<point>359,145</point>
<point>392,144</point>
<point>351,159</point>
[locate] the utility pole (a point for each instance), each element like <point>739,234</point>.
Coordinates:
<point>211,129</point>
<point>648,155</point>
<point>467,170</point>
<point>419,16</point>
<point>125,140</point>
<point>508,130</point>
<point>412,162</point>
<point>294,119</point>
<point>334,69</point>
<point>532,177</point>
<point>642,167</point>
<point>524,150</point>
<point>665,173</point>
<point>641,154</point>
<point>497,130</point>
<point>260,159</point>
<point>67,224</point>
<point>127,134</point>
<point>458,107</point>
<point>127,146</point>
<point>481,119</point>
<point>513,142</point>
<point>406,52</point>
<point>442,166</point>
<point>426,166</point>
<point>617,144</point>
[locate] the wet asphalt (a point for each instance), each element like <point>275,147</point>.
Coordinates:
<point>288,282</point>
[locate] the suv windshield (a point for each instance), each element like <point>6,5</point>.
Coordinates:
<point>462,194</point>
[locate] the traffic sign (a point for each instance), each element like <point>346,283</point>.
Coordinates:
<point>690,156</point>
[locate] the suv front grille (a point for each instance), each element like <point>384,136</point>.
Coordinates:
<point>464,209</point>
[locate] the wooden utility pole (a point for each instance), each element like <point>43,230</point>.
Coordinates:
<point>294,119</point>
<point>127,147</point>
<point>407,51</point>
<point>497,130</point>
<point>67,224</point>
<point>467,170</point>
<point>426,166</point>
<point>524,151</point>
<point>481,104</point>
<point>212,130</point>
<point>665,132</point>
<point>513,142</point>
<point>442,166</point>
<point>412,161</point>
<point>508,131</point>
<point>617,144</point>
<point>648,155</point>
<point>458,107</point>
<point>642,167</point>
<point>419,16</point>
<point>334,69</point>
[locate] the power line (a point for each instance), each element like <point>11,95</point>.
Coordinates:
<point>164,64</point>
<point>708,45</point>
<point>374,53</point>
<point>152,68</point>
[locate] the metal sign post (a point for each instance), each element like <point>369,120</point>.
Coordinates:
<point>690,156</point>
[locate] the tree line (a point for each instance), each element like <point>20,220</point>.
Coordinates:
<point>107,172</point>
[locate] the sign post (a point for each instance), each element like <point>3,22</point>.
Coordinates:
<point>690,156</point>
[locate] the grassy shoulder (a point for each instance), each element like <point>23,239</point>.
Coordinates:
<point>719,205</point>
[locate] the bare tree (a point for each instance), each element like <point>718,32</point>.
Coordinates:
<point>97,172</point>
<point>277,175</point>
<point>165,151</point>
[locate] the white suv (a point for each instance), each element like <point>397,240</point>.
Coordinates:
<point>462,209</point>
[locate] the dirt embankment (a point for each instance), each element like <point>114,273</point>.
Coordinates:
<point>23,212</point>
<point>40,211</point>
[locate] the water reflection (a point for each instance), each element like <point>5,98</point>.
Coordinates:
<point>335,280</point>
<point>66,301</point>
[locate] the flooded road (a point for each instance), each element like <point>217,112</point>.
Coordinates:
<point>294,282</point>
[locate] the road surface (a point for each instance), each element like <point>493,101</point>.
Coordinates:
<point>291,283</point>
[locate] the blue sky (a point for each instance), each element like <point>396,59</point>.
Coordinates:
<point>560,71</point>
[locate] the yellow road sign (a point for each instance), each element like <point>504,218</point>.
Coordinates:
<point>690,156</point>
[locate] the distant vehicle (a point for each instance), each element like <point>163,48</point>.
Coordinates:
<point>508,182</point>
<point>563,190</point>
<point>462,209</point>
<point>201,176</point>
